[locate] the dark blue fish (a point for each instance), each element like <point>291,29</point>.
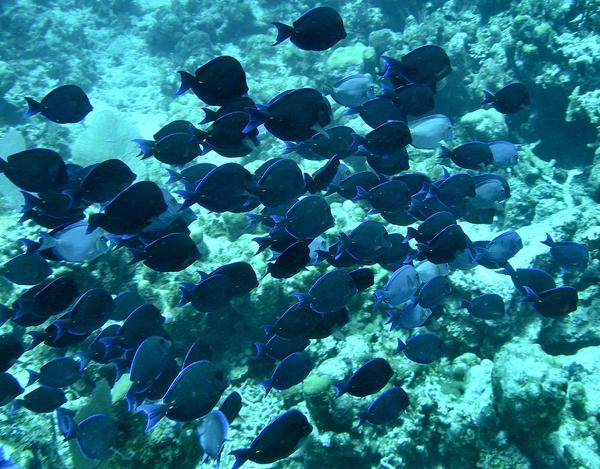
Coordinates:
<point>235,105</point>
<point>389,137</point>
<point>211,294</point>
<point>9,389</point>
<point>99,351</point>
<point>363,278</point>
<point>568,254</point>
<point>177,143</point>
<point>231,406</point>
<point>225,188</point>
<point>336,140</point>
<point>328,323</point>
<point>217,82</point>
<point>26,269</point>
<point>369,379</point>
<point>35,170</point>
<point>365,243</point>
<point>149,360</point>
<point>377,111</point>
<point>279,181</point>
<point>323,177</point>
<point>191,175</point>
<point>426,64</point>
<point>42,399</point>
<point>131,211</point>
<point>331,292</point>
<point>414,99</point>
<point>193,394</point>
<point>389,196</point>
<point>90,312</point>
<point>508,100</point>
<point>58,373</point>
<point>536,279</point>
<point>554,303</point>
<point>389,164</point>
<point>307,218</point>
<point>431,227</point>
<point>453,190</point>
<point>226,135</point>
<point>291,261</point>
<point>348,187</point>
<point>144,321</point>
<point>198,351</point>
<point>471,155</point>
<point>102,182</point>
<point>278,347</point>
<point>433,292</point>
<point>241,275</point>
<point>171,253</point>
<point>486,306</point>
<point>317,29</point>
<point>293,115</point>
<point>289,372</point>
<point>296,321</point>
<point>445,245</point>
<point>421,348</point>
<point>393,257</point>
<point>276,441</point>
<point>386,408</point>
<point>66,104</point>
<point>96,435</point>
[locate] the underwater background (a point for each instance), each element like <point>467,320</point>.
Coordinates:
<point>521,391</point>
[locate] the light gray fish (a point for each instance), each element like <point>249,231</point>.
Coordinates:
<point>353,90</point>
<point>504,153</point>
<point>429,131</point>
<point>212,434</point>
<point>74,244</point>
<point>400,287</point>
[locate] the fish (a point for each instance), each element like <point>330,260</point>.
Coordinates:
<point>336,140</point>
<point>26,269</point>
<point>241,275</point>
<point>102,182</point>
<point>67,104</point>
<point>470,155</point>
<point>428,132</point>
<point>279,181</point>
<point>504,153</point>
<point>276,441</point>
<point>171,253</point>
<point>177,143</point>
<point>389,196</point>
<point>535,279</point>
<point>508,100</point>
<point>429,228</point>
<point>317,29</point>
<point>568,254</point>
<point>190,175</point>
<point>323,177</point>
<point>489,191</point>
<point>486,306</point>
<point>9,389</point>
<point>452,190</point>
<point>35,170</point>
<point>90,312</point>
<point>365,243</point>
<point>118,217</point>
<point>306,219</point>
<point>433,292</point>
<point>414,99</point>
<point>393,257</point>
<point>330,292</point>
<point>194,392</point>
<point>73,242</point>
<point>296,321</point>
<point>231,406</point>
<point>389,164</point>
<point>386,408</point>
<point>57,373</point>
<point>235,105</point>
<point>411,316</point>
<point>399,288</point>
<point>96,435</point>
<point>149,360</point>
<point>353,90</point>
<point>555,303</point>
<point>199,350</point>
<point>42,400</point>
<point>363,278</point>
<point>294,115</point>
<point>445,245</point>
<point>427,64</point>
<point>377,111</point>
<point>391,136</point>
<point>369,379</point>
<point>278,347</point>
<point>212,434</point>
<point>500,250</point>
<point>291,261</point>
<point>292,370</point>
<point>422,348</point>
<point>348,187</point>
<point>217,82</point>
<point>226,135</point>
<point>211,294</point>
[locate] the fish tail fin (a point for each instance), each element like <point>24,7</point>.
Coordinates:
<point>154,413</point>
<point>187,81</point>
<point>361,193</point>
<point>267,385</point>
<point>241,456</point>
<point>3,165</point>
<point>46,242</point>
<point>33,376</point>
<point>530,295</point>
<point>260,350</point>
<point>379,296</point>
<point>174,176</point>
<point>290,147</point>
<point>283,32</point>
<point>268,330</point>
<point>445,154</point>
<point>146,147</point>
<point>401,346</point>
<point>488,97</point>
<point>30,202</point>
<point>263,243</point>
<point>209,116</point>
<point>255,118</point>
<point>66,423</point>
<point>189,198</point>
<point>343,245</point>
<point>310,185</point>
<point>410,234</point>
<point>186,293</point>
<point>548,241</point>
<point>341,389</point>
<point>362,418</point>
<point>35,107</point>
